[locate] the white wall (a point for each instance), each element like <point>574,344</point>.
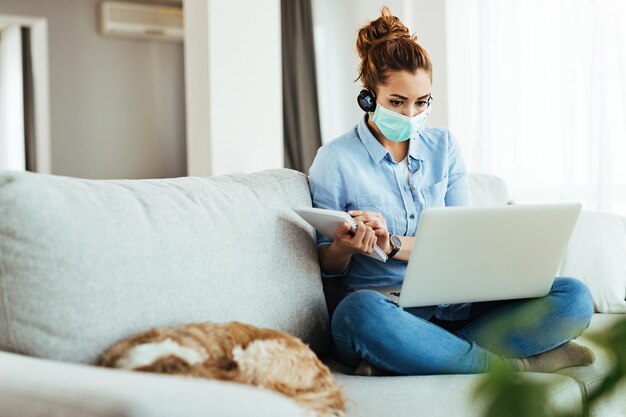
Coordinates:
<point>336,25</point>
<point>116,104</point>
<point>234,86</point>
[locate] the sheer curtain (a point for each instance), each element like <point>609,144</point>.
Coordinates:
<point>538,96</point>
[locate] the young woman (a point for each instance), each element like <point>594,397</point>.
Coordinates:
<point>384,172</point>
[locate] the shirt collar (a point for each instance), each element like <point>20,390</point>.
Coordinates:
<point>377,151</point>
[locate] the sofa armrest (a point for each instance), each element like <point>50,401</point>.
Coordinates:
<point>32,386</point>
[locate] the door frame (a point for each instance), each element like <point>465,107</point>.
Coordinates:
<point>41,94</point>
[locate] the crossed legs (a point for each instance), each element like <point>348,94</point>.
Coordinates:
<point>366,325</point>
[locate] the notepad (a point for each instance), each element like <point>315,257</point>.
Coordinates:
<point>327,221</point>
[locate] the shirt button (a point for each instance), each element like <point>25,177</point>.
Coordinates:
<point>412,188</point>
<point>412,216</point>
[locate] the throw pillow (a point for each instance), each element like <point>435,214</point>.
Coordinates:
<point>596,255</point>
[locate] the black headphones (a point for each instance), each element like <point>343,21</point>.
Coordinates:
<point>366,100</point>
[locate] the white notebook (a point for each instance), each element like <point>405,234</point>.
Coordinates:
<point>327,222</point>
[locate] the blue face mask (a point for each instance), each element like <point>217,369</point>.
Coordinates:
<point>398,127</point>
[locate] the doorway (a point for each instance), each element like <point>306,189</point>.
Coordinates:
<point>24,94</point>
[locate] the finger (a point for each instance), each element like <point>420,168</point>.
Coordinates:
<point>365,245</point>
<point>375,223</point>
<point>343,230</point>
<point>373,241</point>
<point>381,232</point>
<point>359,218</point>
<point>361,230</point>
<point>379,227</point>
<point>364,213</point>
<point>370,221</point>
<point>371,217</point>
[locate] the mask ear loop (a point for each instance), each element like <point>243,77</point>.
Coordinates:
<point>430,104</point>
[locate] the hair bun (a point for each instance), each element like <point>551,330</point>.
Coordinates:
<point>386,28</point>
<point>385,45</point>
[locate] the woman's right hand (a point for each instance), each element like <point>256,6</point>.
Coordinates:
<point>361,241</point>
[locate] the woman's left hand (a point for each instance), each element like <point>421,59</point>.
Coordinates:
<point>377,222</point>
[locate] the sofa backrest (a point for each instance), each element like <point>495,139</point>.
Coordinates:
<point>85,263</point>
<point>487,190</point>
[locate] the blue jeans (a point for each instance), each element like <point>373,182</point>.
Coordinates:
<point>368,325</point>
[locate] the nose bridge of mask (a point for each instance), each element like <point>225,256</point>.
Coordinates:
<point>399,120</point>
<point>401,117</point>
<point>395,115</point>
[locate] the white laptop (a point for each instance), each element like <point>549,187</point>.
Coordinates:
<point>471,254</point>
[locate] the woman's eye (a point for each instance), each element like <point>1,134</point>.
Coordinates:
<point>421,103</point>
<point>396,103</point>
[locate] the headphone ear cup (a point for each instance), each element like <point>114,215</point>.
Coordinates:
<point>366,100</point>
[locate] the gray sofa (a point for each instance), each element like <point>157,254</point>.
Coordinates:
<point>85,263</point>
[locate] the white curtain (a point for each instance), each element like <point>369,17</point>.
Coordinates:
<point>12,146</point>
<point>537,96</point>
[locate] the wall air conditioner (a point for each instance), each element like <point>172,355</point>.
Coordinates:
<point>141,21</point>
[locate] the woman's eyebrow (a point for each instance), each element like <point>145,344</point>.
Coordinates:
<point>404,98</point>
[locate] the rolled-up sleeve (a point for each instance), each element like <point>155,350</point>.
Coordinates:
<point>458,193</point>
<point>327,185</point>
<point>327,191</point>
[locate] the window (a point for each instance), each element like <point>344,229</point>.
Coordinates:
<point>538,96</point>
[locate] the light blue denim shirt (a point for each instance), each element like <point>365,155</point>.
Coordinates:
<point>355,172</point>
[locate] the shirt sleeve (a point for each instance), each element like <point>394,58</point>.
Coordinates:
<point>327,190</point>
<point>458,193</point>
<point>327,185</point>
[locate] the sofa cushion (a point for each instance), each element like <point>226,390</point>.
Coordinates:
<point>487,190</point>
<point>40,387</point>
<point>596,254</point>
<point>437,395</point>
<point>590,377</point>
<point>85,263</point>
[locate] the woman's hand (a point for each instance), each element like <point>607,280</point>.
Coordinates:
<point>377,223</point>
<point>361,241</point>
<point>371,230</point>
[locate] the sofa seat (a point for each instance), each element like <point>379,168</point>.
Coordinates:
<point>422,395</point>
<point>590,377</point>
<point>371,396</point>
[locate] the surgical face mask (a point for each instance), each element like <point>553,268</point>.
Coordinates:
<point>398,127</point>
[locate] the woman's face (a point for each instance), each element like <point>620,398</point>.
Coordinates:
<point>405,92</point>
